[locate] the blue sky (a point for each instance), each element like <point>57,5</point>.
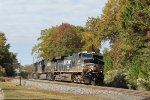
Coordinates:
<point>22,20</point>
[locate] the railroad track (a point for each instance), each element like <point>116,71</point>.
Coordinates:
<point>120,90</point>
<point>115,93</point>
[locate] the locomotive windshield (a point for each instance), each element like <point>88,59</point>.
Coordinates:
<point>97,59</point>
<point>86,55</point>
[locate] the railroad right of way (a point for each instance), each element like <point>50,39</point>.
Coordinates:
<point>113,93</point>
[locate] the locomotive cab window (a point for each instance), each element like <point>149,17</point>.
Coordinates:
<point>86,55</point>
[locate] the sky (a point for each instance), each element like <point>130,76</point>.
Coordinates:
<point>22,20</point>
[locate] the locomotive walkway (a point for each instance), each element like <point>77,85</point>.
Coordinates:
<point>112,93</point>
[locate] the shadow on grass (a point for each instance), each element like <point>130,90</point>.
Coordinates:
<point>33,99</point>
<point>12,89</point>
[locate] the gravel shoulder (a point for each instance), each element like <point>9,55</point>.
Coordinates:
<point>84,89</point>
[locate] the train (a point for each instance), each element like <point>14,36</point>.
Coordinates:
<point>82,67</point>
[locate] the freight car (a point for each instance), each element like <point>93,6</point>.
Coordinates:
<point>83,67</point>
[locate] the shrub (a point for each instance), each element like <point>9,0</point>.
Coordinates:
<point>116,78</point>
<point>138,73</point>
<point>143,84</point>
<point>24,74</point>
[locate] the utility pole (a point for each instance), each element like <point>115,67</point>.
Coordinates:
<point>20,72</point>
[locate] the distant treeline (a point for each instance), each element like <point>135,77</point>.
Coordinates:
<point>125,23</point>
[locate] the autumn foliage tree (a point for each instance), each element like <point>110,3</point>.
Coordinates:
<point>91,38</point>
<point>59,41</point>
<point>125,23</point>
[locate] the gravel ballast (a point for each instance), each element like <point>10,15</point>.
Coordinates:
<point>79,90</point>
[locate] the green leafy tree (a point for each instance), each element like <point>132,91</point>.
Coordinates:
<point>108,24</point>
<point>108,61</point>
<point>90,37</point>
<point>7,58</point>
<point>28,68</point>
<point>135,22</point>
<point>2,71</point>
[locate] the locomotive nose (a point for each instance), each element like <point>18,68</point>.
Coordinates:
<point>93,67</point>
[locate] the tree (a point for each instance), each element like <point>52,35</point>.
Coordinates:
<point>46,47</point>
<point>2,71</point>
<point>59,41</point>
<point>90,37</point>
<point>108,24</point>
<point>28,68</point>
<point>108,61</point>
<point>7,58</point>
<point>135,22</point>
<point>115,53</point>
<point>125,24</point>
<point>107,28</point>
<point>71,41</point>
<point>89,42</point>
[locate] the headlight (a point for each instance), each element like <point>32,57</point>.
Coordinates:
<point>101,71</point>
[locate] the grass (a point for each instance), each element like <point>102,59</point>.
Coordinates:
<point>13,91</point>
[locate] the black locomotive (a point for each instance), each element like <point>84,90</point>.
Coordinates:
<point>82,67</point>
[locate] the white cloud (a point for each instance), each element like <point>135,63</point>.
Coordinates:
<point>22,20</point>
